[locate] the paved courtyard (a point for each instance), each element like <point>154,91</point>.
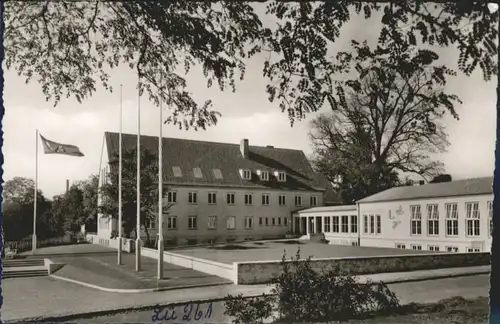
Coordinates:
<point>44,296</point>
<point>96,265</point>
<point>273,250</point>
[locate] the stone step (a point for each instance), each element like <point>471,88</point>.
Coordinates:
<point>22,263</point>
<point>24,274</point>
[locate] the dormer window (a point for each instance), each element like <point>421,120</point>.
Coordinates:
<point>177,171</point>
<point>197,173</point>
<point>246,174</point>
<point>264,176</point>
<point>280,175</point>
<point>217,174</point>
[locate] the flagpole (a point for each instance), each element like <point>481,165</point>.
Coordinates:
<point>33,244</point>
<point>160,194</point>
<point>138,167</point>
<point>120,180</point>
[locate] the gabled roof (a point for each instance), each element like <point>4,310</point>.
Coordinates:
<point>466,187</point>
<point>190,154</point>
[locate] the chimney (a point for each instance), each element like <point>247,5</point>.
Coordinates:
<point>67,185</point>
<point>244,148</point>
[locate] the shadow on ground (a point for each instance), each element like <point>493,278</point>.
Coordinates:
<point>101,269</point>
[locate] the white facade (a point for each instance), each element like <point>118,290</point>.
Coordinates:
<point>339,224</point>
<point>436,227</point>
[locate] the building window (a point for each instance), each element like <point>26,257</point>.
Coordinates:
<point>434,248</point>
<point>172,197</point>
<point>281,200</point>
<point>298,201</point>
<point>212,198</point>
<point>281,176</point>
<point>451,249</point>
<point>285,221</point>
<point>416,220</point>
<point>177,171</point>
<point>197,173</point>
<point>344,224</point>
<point>472,250</point>
<point>246,174</point>
<point>193,198</point>
<point>212,222</point>
<point>327,224</point>
<point>400,246</point>
<point>217,174</point>
<point>379,224</point>
<point>416,247</point>
<point>472,218</point>
<point>264,176</point>
<point>265,199</point>
<point>432,220</point>
<point>248,222</point>
<point>354,224</point>
<point>151,223</point>
<point>260,221</point>
<point>172,222</point>
<point>273,221</point>
<point>279,221</point>
<point>335,226</point>
<point>230,222</point>
<point>314,200</point>
<point>230,198</point>
<point>267,221</point>
<point>192,222</point>
<point>451,219</point>
<point>248,199</point>
<point>372,224</point>
<point>490,216</point>
<point>365,224</point>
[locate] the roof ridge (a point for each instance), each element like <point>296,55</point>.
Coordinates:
<point>207,142</point>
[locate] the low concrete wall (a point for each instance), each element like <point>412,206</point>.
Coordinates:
<point>259,272</point>
<point>127,244</point>
<point>214,268</point>
<point>52,266</point>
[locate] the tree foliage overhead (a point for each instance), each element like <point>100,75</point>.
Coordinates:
<point>388,123</point>
<point>307,76</point>
<point>149,190</point>
<point>69,47</point>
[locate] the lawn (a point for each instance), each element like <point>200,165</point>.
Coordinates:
<point>273,250</point>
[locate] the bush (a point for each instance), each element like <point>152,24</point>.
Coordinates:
<point>303,295</point>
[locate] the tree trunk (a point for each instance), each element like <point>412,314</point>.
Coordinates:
<point>147,233</point>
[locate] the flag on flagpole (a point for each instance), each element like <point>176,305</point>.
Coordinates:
<point>51,147</point>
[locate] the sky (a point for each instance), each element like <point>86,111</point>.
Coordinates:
<point>247,113</point>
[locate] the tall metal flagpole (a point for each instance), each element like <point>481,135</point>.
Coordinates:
<point>160,194</point>
<point>33,243</point>
<point>138,167</point>
<point>120,180</point>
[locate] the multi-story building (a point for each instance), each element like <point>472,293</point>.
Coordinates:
<point>221,192</point>
<point>451,217</point>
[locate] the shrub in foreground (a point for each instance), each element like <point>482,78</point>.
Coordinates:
<point>301,294</point>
